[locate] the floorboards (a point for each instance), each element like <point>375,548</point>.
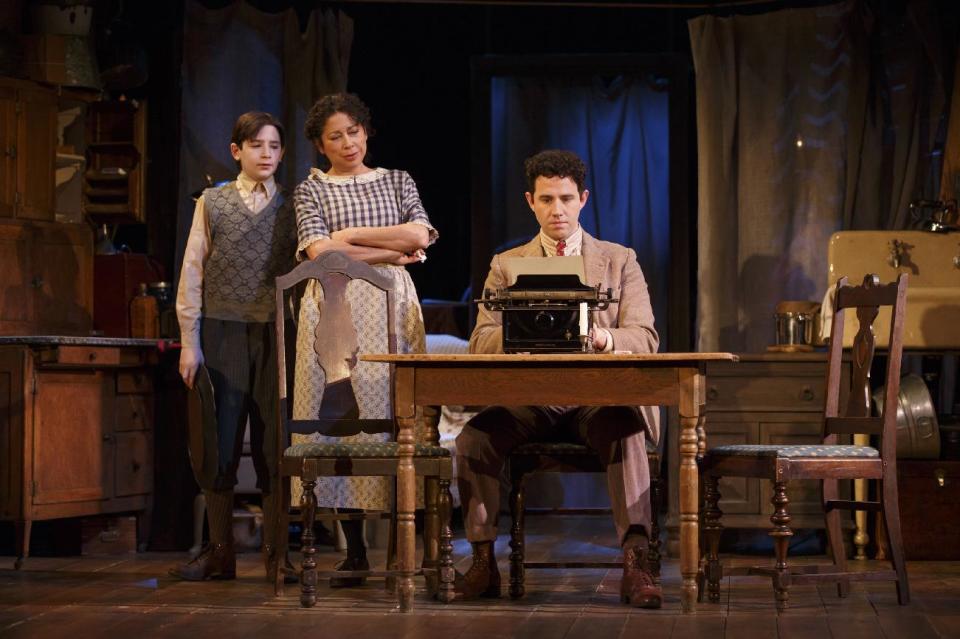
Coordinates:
<point>132,597</point>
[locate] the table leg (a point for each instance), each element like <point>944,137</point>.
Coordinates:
<point>431,519</point>
<point>406,486</point>
<point>689,440</point>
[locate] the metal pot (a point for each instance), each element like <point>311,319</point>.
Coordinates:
<point>918,434</point>
<point>794,327</point>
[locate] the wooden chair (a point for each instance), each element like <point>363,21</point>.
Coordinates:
<point>829,461</point>
<point>567,458</point>
<point>336,346</point>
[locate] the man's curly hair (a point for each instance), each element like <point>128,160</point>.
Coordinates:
<point>328,105</point>
<point>555,163</point>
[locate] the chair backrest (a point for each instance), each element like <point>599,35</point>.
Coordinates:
<point>335,344</point>
<point>867,300</point>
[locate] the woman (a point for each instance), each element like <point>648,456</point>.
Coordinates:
<point>372,215</point>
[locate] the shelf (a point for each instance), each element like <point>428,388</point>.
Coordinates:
<point>117,145</point>
<point>95,176</point>
<point>93,193</point>
<point>107,209</point>
<point>69,159</point>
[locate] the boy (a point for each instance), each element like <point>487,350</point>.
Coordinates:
<point>243,235</point>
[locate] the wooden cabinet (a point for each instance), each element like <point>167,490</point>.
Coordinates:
<point>76,433</point>
<point>28,143</point>
<point>762,399</point>
<point>47,286</point>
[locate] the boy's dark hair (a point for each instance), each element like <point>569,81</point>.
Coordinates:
<point>554,163</point>
<point>249,124</point>
<point>328,105</point>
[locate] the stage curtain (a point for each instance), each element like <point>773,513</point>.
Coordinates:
<point>809,121</point>
<point>238,59</point>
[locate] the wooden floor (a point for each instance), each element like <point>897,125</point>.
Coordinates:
<point>132,598</point>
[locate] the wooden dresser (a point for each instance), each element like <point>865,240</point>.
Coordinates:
<point>76,429</point>
<point>769,398</point>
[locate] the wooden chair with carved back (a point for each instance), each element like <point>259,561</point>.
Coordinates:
<point>335,344</point>
<point>828,462</point>
<point>567,457</point>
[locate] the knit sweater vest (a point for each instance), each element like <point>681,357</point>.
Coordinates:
<point>247,252</point>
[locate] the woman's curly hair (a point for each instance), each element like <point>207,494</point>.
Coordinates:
<point>553,163</point>
<point>328,105</point>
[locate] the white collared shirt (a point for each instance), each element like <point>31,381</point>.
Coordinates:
<point>574,243</point>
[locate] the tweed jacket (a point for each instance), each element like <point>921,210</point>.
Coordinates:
<point>630,321</point>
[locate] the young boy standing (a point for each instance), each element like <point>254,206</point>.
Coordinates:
<point>243,235</point>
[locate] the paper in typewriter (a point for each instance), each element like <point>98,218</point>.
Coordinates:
<point>565,265</point>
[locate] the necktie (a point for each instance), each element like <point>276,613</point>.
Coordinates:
<point>561,245</point>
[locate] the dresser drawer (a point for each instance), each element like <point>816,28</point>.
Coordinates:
<point>134,412</point>
<point>134,464</point>
<point>766,394</point>
<point>93,356</point>
<point>136,382</point>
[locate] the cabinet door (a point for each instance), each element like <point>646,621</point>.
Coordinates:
<point>8,152</point>
<point>16,290</point>
<point>73,436</point>
<point>738,495</point>
<point>11,432</point>
<point>36,153</point>
<point>804,495</point>
<point>63,272</point>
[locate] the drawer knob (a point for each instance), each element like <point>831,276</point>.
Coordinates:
<point>713,393</point>
<point>136,466</point>
<point>92,357</point>
<point>806,394</point>
<point>941,478</point>
<point>107,437</point>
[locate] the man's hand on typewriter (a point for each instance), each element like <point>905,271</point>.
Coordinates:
<point>600,337</point>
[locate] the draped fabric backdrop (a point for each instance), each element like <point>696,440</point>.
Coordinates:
<point>619,127</point>
<point>239,59</point>
<point>809,121</point>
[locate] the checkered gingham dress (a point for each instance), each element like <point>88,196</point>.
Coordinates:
<point>326,204</point>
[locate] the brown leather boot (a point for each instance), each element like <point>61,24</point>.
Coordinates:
<point>290,575</point>
<point>638,586</point>
<point>215,561</point>
<point>483,577</point>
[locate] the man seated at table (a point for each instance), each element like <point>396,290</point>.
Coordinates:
<point>556,195</point>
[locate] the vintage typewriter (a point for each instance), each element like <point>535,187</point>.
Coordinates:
<point>546,307</point>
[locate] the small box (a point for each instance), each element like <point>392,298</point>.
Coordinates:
<point>108,535</point>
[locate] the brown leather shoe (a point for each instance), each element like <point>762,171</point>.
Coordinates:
<point>483,577</point>
<point>350,563</point>
<point>215,561</point>
<point>290,575</point>
<point>638,586</point>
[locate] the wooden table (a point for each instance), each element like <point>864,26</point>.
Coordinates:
<point>663,379</point>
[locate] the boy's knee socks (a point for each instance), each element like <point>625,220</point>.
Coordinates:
<point>220,516</point>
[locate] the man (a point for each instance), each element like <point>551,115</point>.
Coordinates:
<point>617,433</point>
